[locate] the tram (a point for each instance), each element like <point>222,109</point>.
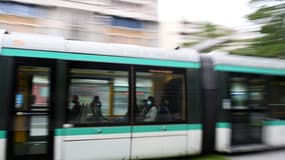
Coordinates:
<point>41,75</point>
<point>73,100</point>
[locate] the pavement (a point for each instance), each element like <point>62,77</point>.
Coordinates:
<point>269,155</point>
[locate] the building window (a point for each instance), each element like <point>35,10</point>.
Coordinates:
<point>22,9</point>
<point>160,95</point>
<point>126,22</point>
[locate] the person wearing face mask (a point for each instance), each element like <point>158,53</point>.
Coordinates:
<point>152,110</point>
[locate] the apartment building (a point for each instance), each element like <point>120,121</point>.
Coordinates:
<point>110,21</point>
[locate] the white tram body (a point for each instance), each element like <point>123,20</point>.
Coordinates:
<point>216,102</point>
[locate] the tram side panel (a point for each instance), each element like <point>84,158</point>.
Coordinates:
<point>95,144</point>
<point>223,123</point>
<point>3,130</point>
<point>182,135</point>
<point>274,124</point>
<point>60,101</point>
<point>88,137</point>
<point>274,133</point>
<point>95,126</point>
<point>173,138</point>
<point>165,136</point>
<point>6,71</point>
<point>194,112</point>
<point>2,145</point>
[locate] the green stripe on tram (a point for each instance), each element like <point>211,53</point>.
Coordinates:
<point>97,58</point>
<point>274,123</point>
<point>151,128</point>
<point>194,126</point>
<point>2,134</point>
<point>265,123</point>
<point>176,127</point>
<point>169,127</point>
<point>91,131</point>
<point>244,69</point>
<point>122,130</point>
<point>223,125</point>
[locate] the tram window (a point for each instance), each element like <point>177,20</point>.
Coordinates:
<point>160,96</point>
<point>98,96</point>
<point>239,92</point>
<point>32,88</point>
<point>247,92</point>
<point>257,93</point>
<point>277,99</point>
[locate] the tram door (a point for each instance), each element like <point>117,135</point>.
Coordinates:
<point>31,137</point>
<point>248,110</point>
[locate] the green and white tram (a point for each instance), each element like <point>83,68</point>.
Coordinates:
<point>72,100</point>
<point>40,75</point>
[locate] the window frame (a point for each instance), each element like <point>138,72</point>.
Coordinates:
<point>267,110</point>
<point>183,71</point>
<point>131,70</point>
<point>249,76</point>
<point>98,66</point>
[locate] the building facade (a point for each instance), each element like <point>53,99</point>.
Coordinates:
<point>110,21</point>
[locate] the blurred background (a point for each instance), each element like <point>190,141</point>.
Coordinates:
<point>248,27</point>
<point>245,27</point>
<point>110,21</point>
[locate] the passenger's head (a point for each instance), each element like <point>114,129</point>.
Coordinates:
<point>150,101</point>
<point>96,98</point>
<point>75,99</point>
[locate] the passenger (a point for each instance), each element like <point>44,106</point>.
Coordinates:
<point>96,106</point>
<point>164,114</point>
<point>152,110</point>
<point>75,111</point>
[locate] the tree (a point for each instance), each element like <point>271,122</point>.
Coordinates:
<point>270,15</point>
<point>203,31</point>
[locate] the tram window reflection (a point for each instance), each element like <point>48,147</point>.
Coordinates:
<point>98,96</point>
<point>160,96</point>
<point>239,92</point>
<point>248,92</point>
<point>257,93</point>
<point>32,88</point>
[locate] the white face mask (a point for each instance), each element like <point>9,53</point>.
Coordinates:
<point>148,103</point>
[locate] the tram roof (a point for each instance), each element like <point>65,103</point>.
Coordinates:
<point>225,61</point>
<point>59,44</point>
